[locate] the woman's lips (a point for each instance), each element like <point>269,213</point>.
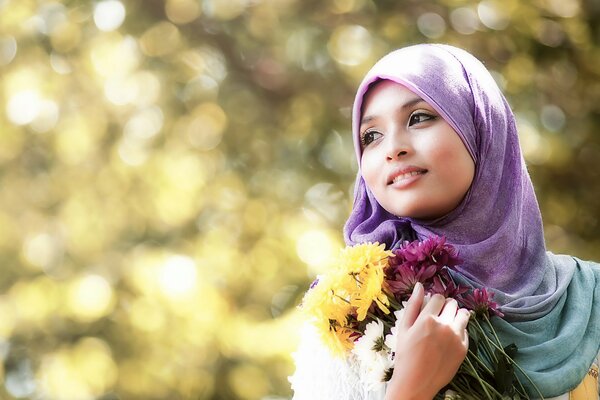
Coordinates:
<point>405,174</point>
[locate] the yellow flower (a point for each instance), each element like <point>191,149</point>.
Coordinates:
<point>328,313</point>
<point>354,259</point>
<point>322,301</point>
<point>341,342</point>
<point>369,291</point>
<point>365,264</point>
<point>348,290</point>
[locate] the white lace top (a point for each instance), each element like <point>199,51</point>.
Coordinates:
<point>321,376</point>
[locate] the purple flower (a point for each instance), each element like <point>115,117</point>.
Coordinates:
<point>431,251</point>
<point>445,286</point>
<point>481,302</point>
<point>315,283</point>
<point>402,278</point>
<point>424,261</point>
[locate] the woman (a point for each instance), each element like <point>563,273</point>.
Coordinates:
<point>439,154</point>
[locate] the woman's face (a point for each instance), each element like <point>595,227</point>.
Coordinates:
<point>413,162</point>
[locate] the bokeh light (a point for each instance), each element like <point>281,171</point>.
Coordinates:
<point>431,25</point>
<point>350,44</point>
<point>109,15</point>
<point>90,297</point>
<point>23,107</point>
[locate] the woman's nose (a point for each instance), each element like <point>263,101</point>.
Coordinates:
<point>398,147</point>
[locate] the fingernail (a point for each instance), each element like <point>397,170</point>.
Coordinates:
<point>417,288</point>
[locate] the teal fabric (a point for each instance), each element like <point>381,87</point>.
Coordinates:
<point>557,349</point>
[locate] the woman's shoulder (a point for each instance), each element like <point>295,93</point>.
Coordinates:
<point>569,261</point>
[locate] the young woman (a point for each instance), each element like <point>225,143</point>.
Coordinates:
<point>439,154</point>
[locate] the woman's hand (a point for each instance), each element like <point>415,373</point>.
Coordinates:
<point>432,343</point>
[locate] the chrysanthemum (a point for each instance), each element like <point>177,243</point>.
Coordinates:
<point>370,290</point>
<point>444,285</point>
<point>364,264</point>
<point>433,250</point>
<point>378,372</point>
<point>373,355</point>
<point>329,313</point>
<point>481,302</point>
<point>372,342</point>
<point>355,259</point>
<point>403,278</point>
<point>392,338</point>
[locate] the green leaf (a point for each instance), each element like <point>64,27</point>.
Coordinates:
<point>504,373</point>
<point>474,340</point>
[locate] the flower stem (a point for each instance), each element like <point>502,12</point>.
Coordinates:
<point>482,383</point>
<point>499,348</point>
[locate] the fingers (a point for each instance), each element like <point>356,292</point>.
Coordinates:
<point>434,305</point>
<point>454,317</point>
<point>413,308</point>
<point>448,313</point>
<point>462,318</point>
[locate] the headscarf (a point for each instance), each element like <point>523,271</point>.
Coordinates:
<point>497,227</point>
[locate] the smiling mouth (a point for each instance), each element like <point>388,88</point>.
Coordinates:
<point>407,175</point>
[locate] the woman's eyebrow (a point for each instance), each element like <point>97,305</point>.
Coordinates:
<point>408,104</point>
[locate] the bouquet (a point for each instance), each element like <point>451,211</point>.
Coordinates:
<point>355,307</point>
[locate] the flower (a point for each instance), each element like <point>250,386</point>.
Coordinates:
<point>358,308</point>
<point>422,261</point>
<point>403,278</point>
<point>480,301</point>
<point>392,338</point>
<point>361,275</point>
<point>431,251</point>
<point>330,314</point>
<point>377,372</point>
<point>355,259</point>
<point>374,355</point>
<point>451,395</point>
<point>315,282</point>
<point>341,341</point>
<point>372,342</point>
<point>444,285</point>
<point>338,301</point>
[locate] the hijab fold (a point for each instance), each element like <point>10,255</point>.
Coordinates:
<point>497,228</point>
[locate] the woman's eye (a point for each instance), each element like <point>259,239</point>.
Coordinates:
<point>419,117</point>
<point>368,137</point>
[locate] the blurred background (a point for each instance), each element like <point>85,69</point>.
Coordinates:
<point>173,174</point>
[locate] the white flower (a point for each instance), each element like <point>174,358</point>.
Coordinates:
<point>426,299</point>
<point>451,395</point>
<point>373,355</point>
<point>366,347</point>
<point>399,315</point>
<point>392,338</point>
<point>374,352</point>
<point>375,374</point>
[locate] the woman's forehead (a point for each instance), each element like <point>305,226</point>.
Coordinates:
<point>454,106</point>
<point>386,95</point>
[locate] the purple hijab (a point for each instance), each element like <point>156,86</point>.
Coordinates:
<point>497,228</point>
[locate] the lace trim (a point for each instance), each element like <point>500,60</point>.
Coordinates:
<point>322,376</point>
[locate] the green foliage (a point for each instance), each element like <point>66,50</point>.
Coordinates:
<point>174,173</point>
